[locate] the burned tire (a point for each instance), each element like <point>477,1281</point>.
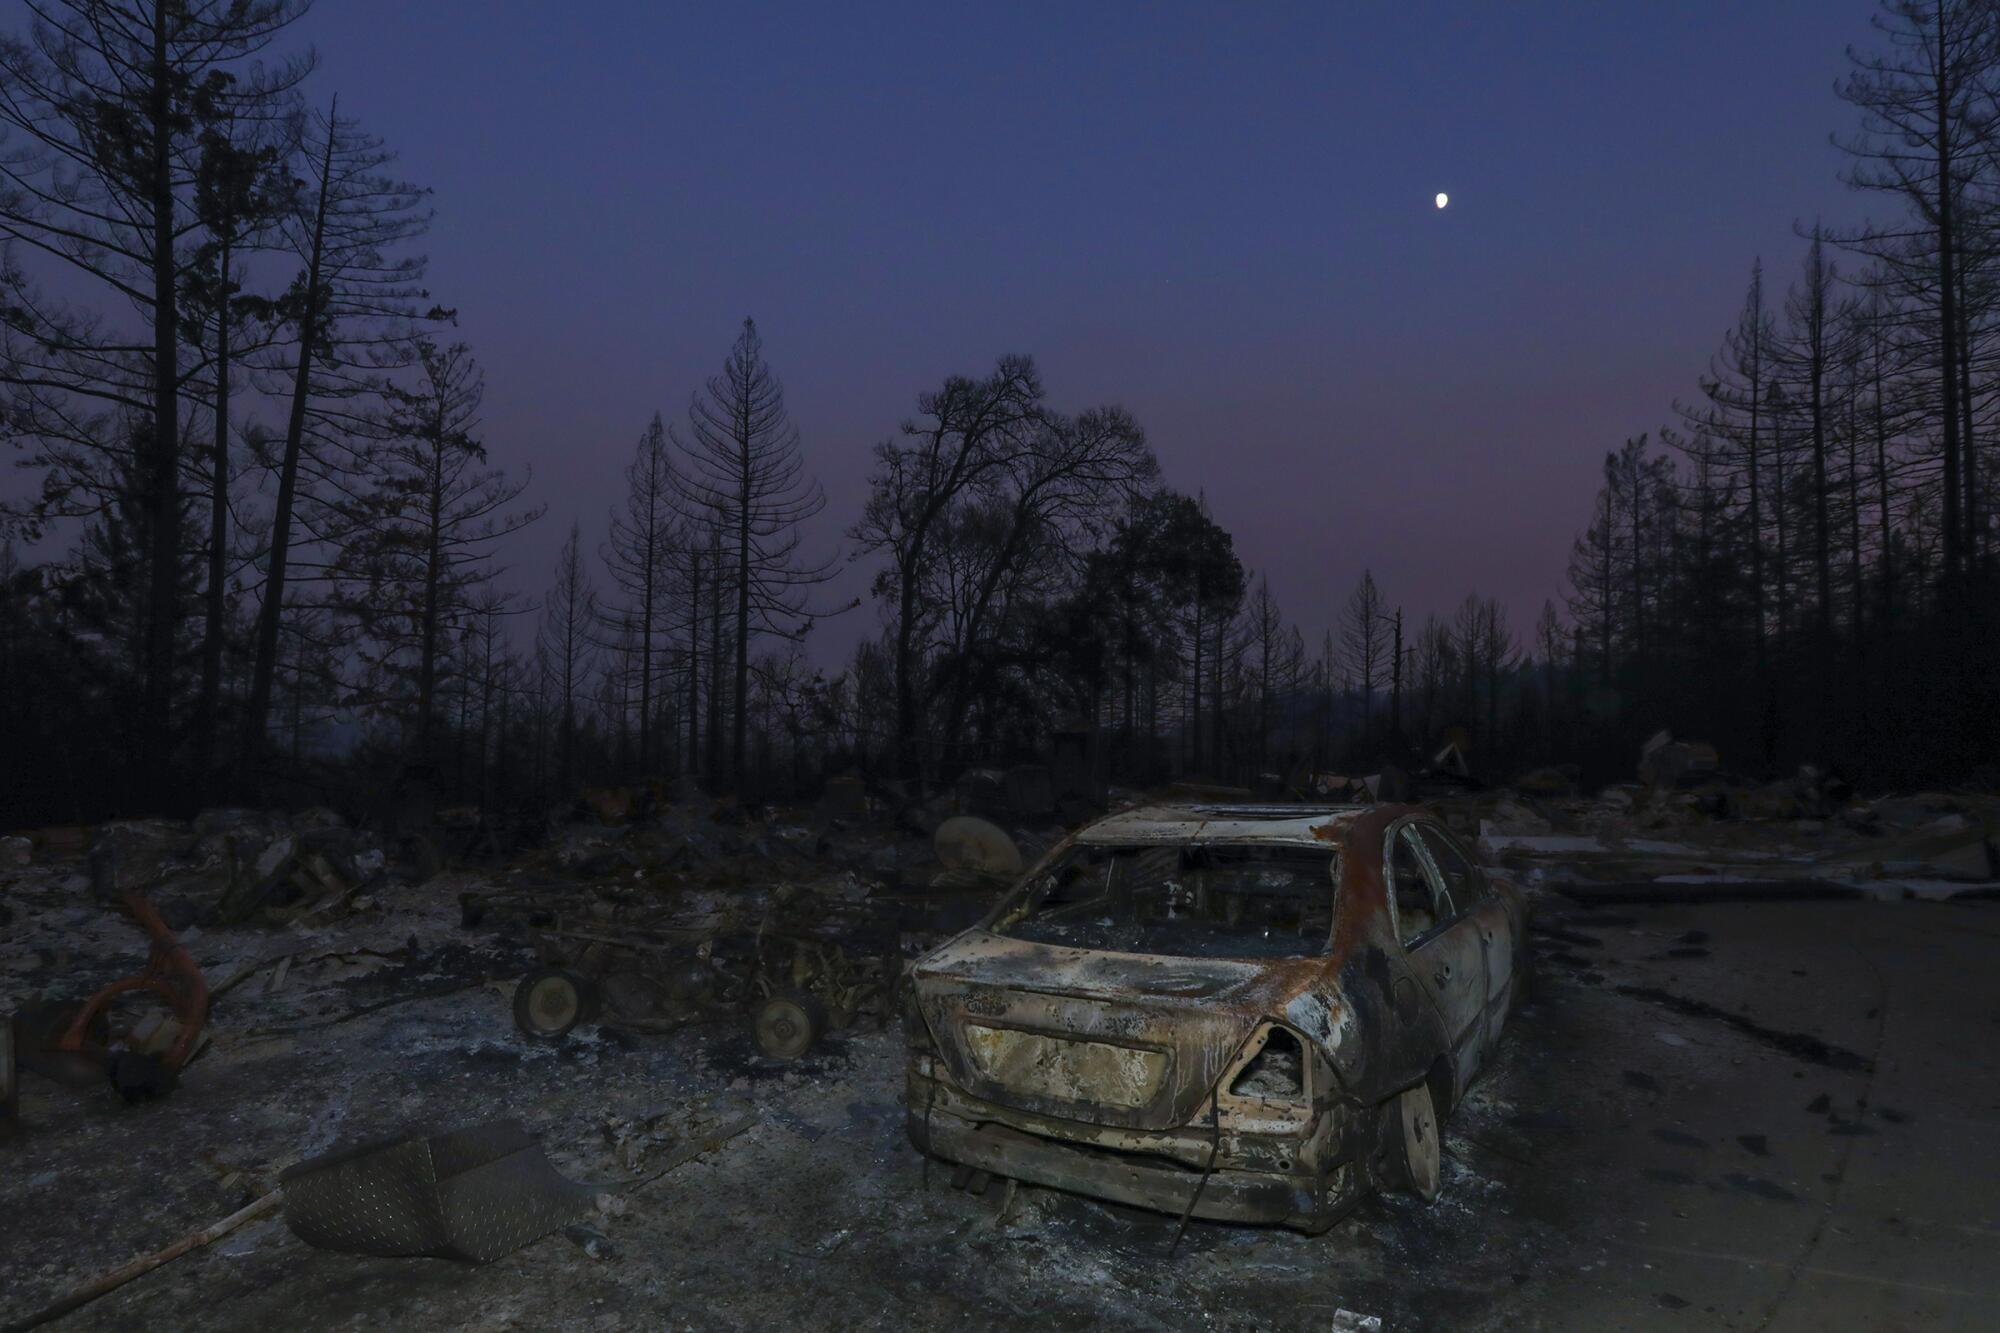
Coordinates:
<point>552,1000</point>
<point>787,1024</point>
<point>1412,1151</point>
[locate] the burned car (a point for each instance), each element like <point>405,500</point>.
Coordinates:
<point>1240,1013</point>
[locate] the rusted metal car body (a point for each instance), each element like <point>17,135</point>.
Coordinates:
<point>1240,1013</point>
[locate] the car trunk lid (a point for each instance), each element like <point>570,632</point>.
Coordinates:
<point>1128,1040</point>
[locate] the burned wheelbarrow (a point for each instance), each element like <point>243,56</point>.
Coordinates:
<point>807,985</point>
<point>795,979</point>
<point>649,972</point>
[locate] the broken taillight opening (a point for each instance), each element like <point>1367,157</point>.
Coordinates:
<point>1275,1073</point>
<point>917,1032</point>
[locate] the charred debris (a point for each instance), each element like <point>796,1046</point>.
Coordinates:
<point>651,911</point>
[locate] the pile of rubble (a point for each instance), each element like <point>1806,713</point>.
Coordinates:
<point>655,913</point>
<point>648,907</point>
<point>232,866</point>
<point>1688,828</point>
<point>894,843</point>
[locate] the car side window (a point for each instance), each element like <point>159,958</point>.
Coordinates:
<point>1461,878</point>
<point>1421,900</point>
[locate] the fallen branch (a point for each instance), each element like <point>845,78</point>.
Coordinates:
<point>361,1011</point>
<point>146,1263</point>
<point>243,974</point>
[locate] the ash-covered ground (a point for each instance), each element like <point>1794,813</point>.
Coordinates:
<point>1713,1114</point>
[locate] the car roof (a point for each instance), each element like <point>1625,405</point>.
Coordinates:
<point>1293,825</point>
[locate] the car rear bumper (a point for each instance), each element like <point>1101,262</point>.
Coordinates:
<point>1306,1199</point>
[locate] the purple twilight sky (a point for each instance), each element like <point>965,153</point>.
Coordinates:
<point>1219,216</point>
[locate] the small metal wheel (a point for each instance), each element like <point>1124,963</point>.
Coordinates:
<point>550,1001</point>
<point>788,1024</point>
<point>1422,1155</point>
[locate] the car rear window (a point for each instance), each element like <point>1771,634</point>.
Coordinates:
<point>1207,900</point>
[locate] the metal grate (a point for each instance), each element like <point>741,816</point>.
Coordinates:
<point>472,1194</point>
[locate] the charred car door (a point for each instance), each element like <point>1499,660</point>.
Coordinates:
<point>1494,923</point>
<point>1443,944</point>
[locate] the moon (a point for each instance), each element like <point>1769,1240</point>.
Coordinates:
<point>1443,199</point>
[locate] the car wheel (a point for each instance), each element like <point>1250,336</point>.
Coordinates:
<point>1418,1153</point>
<point>550,1001</point>
<point>788,1024</point>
